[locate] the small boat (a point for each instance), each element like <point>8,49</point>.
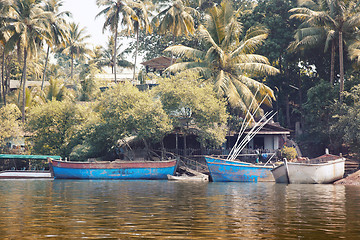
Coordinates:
<point>186,178</point>
<point>324,169</point>
<point>222,170</point>
<point>24,174</point>
<point>112,170</point>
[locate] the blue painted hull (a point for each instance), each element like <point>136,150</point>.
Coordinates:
<point>222,170</point>
<point>112,170</point>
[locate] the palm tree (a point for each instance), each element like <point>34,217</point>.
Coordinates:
<point>228,63</point>
<point>176,20</point>
<point>114,11</point>
<point>75,45</point>
<point>57,25</point>
<point>4,36</point>
<point>309,35</point>
<point>340,19</point>
<point>104,56</point>
<point>28,23</point>
<point>140,22</point>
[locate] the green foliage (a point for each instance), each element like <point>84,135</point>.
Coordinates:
<point>288,153</point>
<point>53,125</point>
<point>89,87</point>
<point>347,126</point>
<point>192,105</point>
<point>10,125</point>
<point>123,111</point>
<point>318,114</point>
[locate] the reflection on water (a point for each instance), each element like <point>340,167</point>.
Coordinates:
<point>39,209</point>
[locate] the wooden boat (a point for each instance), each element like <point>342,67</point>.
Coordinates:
<point>186,178</point>
<point>324,169</point>
<point>24,174</point>
<point>222,170</point>
<point>112,170</point>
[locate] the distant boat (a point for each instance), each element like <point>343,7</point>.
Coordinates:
<point>26,173</point>
<point>112,170</point>
<point>324,169</point>
<point>15,174</point>
<point>222,170</point>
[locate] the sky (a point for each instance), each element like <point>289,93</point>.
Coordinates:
<point>84,12</point>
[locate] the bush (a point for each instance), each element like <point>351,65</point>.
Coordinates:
<point>288,152</point>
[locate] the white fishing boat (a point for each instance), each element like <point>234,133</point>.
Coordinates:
<point>12,174</point>
<point>324,169</point>
<point>186,178</point>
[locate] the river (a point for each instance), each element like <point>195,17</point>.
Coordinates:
<point>68,209</point>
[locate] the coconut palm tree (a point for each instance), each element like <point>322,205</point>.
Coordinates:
<point>114,11</point>
<point>228,63</point>
<point>176,20</point>
<point>140,22</point>
<point>309,35</point>
<point>75,46</point>
<point>339,18</point>
<point>4,36</point>
<point>57,25</point>
<point>105,56</point>
<point>28,23</point>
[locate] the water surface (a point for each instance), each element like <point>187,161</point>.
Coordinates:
<point>67,209</point>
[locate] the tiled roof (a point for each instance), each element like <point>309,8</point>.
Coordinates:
<point>159,63</point>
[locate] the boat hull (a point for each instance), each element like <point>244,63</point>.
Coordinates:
<point>200,178</point>
<point>113,170</point>
<point>303,173</point>
<point>222,170</point>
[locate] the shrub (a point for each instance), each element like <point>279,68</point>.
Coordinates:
<point>288,152</point>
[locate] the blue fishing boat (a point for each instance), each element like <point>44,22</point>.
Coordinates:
<point>222,170</point>
<point>112,170</point>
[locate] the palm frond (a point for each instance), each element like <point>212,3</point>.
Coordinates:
<point>184,51</point>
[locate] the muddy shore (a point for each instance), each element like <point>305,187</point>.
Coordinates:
<point>352,179</point>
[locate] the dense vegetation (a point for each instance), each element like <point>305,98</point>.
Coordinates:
<point>301,57</point>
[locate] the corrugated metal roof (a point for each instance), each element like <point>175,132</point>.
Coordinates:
<point>18,156</point>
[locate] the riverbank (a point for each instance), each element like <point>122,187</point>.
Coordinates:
<point>352,179</point>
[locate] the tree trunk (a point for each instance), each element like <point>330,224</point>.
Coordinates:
<point>72,67</point>
<point>136,52</point>
<point>341,63</point>
<point>3,78</point>
<point>177,143</point>
<point>185,144</point>
<point>24,86</point>
<point>172,54</point>
<point>21,83</point>
<point>287,110</point>
<point>46,62</point>
<point>115,53</point>
<point>332,63</point>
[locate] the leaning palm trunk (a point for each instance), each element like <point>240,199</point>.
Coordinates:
<point>46,62</point>
<point>24,86</point>
<point>341,63</point>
